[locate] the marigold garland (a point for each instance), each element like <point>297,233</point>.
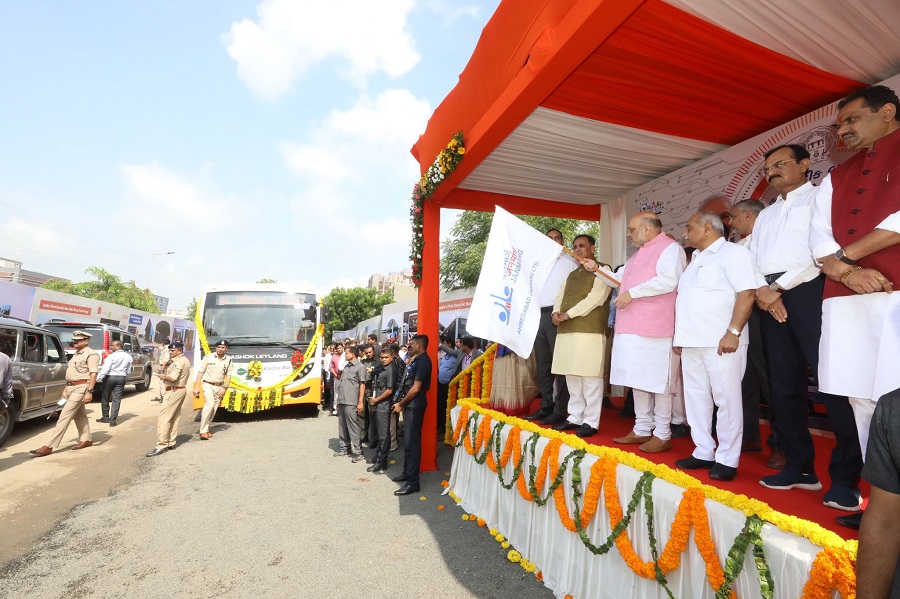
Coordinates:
<point>444,164</point>
<point>461,386</point>
<point>833,568</point>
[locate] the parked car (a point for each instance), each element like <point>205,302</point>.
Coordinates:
<point>101,336</point>
<point>38,371</point>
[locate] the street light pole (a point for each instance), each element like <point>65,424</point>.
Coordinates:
<point>152,256</point>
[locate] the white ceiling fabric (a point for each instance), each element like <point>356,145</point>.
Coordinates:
<point>857,39</point>
<point>560,157</point>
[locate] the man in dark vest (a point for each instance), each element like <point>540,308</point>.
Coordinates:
<point>855,236</point>
<point>580,314</point>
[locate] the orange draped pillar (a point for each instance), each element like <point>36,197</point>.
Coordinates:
<point>429,298</point>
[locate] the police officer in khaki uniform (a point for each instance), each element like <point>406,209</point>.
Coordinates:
<point>175,379</point>
<point>164,359</point>
<point>212,380</point>
<point>81,376</point>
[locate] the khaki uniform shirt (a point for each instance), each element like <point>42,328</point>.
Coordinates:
<point>179,372</point>
<point>215,370</point>
<point>83,363</point>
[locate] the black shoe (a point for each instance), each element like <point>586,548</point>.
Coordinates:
<point>722,472</point>
<point>539,415</point>
<point>399,479</point>
<point>553,419</point>
<point>626,413</point>
<point>565,426</point>
<point>380,470</point>
<point>112,423</point>
<point>407,490</point>
<point>607,402</point>
<point>357,458</point>
<point>679,431</point>
<point>852,521</point>
<point>156,452</point>
<point>692,463</point>
<point>104,419</point>
<point>586,430</point>
<point>375,468</point>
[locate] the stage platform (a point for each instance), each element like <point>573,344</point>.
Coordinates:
<point>685,537</point>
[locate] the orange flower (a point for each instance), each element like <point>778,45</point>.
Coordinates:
<point>832,569</point>
<point>445,484</point>
<point>440,508</point>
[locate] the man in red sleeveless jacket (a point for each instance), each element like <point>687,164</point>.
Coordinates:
<point>855,235</point>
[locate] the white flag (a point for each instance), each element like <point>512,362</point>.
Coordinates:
<point>506,306</point>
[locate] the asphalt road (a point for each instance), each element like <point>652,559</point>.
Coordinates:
<point>261,510</point>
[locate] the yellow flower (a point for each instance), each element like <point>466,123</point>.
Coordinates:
<point>500,538</point>
<point>514,556</point>
<point>493,532</point>
<point>505,544</point>
<point>461,151</point>
<point>465,517</point>
<point>423,498</point>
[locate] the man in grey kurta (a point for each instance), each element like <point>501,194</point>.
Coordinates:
<point>349,404</point>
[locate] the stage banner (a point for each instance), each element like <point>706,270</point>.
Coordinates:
<point>517,261</point>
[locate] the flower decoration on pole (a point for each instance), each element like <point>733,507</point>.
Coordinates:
<point>445,163</point>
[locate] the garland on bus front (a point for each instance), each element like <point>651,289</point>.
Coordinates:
<point>239,385</point>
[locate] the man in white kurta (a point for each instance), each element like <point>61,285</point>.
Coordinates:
<point>642,356</point>
<point>715,296</point>
<point>580,313</point>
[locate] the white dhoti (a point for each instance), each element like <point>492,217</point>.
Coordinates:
<point>646,365</point>
<point>642,362</point>
<point>859,352</point>
<point>711,379</point>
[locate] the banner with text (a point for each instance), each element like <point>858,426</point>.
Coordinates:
<point>517,261</point>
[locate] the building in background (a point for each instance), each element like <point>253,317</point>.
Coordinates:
<point>398,282</point>
<point>11,271</point>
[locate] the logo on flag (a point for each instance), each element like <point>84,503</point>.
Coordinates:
<point>517,261</point>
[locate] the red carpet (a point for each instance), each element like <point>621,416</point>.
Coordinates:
<point>804,504</point>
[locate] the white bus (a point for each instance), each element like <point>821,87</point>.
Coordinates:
<point>274,334</point>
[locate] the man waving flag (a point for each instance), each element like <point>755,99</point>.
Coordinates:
<point>517,261</point>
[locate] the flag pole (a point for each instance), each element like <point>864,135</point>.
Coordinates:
<point>611,281</point>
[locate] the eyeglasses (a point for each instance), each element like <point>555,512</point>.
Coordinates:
<point>779,165</point>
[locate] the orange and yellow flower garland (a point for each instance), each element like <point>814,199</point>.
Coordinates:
<point>473,383</point>
<point>833,568</point>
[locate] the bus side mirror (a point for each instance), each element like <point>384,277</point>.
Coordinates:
<point>324,314</point>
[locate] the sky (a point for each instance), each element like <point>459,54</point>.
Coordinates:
<point>253,139</point>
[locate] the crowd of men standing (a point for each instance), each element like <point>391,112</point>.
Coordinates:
<point>805,293</point>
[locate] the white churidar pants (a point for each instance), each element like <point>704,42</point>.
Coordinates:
<point>585,399</point>
<point>711,379</point>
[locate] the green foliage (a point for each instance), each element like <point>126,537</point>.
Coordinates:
<point>192,309</point>
<point>107,287</point>
<point>348,307</point>
<point>267,281</point>
<point>463,253</point>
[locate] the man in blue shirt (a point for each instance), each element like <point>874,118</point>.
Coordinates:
<point>113,374</point>
<point>448,366</point>
<point>416,382</point>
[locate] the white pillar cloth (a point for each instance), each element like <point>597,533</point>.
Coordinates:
<point>567,567</point>
<point>714,380</point>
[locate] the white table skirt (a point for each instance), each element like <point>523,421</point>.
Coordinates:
<point>569,568</point>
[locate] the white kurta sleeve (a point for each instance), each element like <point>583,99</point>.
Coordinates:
<point>821,238</point>
<point>668,270</point>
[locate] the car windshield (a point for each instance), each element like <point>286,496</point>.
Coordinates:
<point>260,316</point>
<point>65,335</point>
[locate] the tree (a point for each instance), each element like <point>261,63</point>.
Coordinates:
<point>267,281</point>
<point>463,253</point>
<point>192,309</point>
<point>348,307</point>
<point>107,287</point>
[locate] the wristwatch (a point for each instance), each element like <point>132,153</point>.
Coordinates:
<point>734,331</point>
<point>840,255</point>
<point>89,391</point>
<point>774,286</point>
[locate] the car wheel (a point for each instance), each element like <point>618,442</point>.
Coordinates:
<point>145,382</point>
<point>7,420</point>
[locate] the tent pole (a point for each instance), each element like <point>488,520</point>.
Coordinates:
<point>429,298</point>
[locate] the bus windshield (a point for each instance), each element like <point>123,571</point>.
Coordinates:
<point>259,317</point>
